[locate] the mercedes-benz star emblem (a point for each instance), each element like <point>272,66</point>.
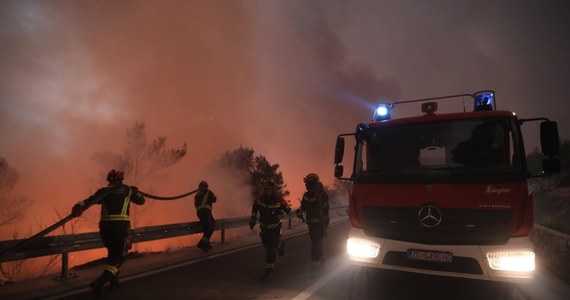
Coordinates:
<point>429,215</point>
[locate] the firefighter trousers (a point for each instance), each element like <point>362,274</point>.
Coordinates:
<point>317,234</point>
<point>270,239</point>
<point>115,238</point>
<point>207,222</point>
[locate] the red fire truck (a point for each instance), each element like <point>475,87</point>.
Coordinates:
<point>445,194</point>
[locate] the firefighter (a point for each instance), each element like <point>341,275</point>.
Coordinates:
<point>203,202</point>
<point>114,224</point>
<point>315,211</point>
<point>271,209</point>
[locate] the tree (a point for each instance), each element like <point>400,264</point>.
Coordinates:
<point>141,159</point>
<point>12,209</point>
<point>339,192</point>
<point>253,169</point>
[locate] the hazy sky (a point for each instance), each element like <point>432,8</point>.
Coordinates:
<point>281,77</point>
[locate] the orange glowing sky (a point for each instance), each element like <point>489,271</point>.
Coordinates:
<point>281,77</point>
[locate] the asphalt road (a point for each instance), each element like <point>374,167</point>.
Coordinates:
<point>237,275</point>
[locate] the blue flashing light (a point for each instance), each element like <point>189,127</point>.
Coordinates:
<point>382,112</point>
<point>484,101</point>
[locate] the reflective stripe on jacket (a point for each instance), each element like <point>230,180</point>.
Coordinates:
<point>204,200</point>
<point>271,210</point>
<point>115,202</point>
<point>204,203</point>
<point>310,205</point>
<point>123,215</point>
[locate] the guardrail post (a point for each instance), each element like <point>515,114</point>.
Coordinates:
<point>65,275</point>
<point>223,234</point>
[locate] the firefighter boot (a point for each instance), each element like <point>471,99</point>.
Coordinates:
<point>281,249</point>
<point>115,284</point>
<point>97,285</point>
<point>202,244</point>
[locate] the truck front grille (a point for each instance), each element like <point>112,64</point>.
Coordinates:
<point>457,226</point>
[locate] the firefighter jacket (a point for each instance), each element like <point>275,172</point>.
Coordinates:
<point>204,200</point>
<point>115,203</point>
<point>271,210</point>
<point>315,205</point>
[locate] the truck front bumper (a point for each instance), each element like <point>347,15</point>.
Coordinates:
<point>511,262</point>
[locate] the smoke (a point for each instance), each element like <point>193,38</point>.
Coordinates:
<point>280,77</point>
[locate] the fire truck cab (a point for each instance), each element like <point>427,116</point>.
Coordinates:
<point>444,194</point>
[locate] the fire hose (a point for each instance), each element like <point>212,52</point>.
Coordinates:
<point>167,198</point>
<point>71,216</point>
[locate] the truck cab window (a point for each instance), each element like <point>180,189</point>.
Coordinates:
<point>479,144</point>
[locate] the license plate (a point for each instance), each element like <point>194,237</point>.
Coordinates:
<point>430,256</point>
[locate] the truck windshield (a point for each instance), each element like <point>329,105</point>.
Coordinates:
<point>457,146</point>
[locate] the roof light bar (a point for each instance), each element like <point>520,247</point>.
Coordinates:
<point>382,112</point>
<point>484,101</point>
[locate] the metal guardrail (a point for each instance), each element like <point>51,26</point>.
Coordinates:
<point>64,244</point>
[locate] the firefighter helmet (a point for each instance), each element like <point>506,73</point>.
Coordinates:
<point>203,184</point>
<point>311,178</point>
<point>115,175</point>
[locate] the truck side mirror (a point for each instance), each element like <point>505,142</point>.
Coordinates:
<point>549,139</point>
<point>339,151</point>
<point>338,171</point>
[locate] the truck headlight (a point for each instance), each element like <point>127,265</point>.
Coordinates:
<point>514,261</point>
<point>362,248</point>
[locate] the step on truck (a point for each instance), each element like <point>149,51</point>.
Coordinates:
<point>444,194</point>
